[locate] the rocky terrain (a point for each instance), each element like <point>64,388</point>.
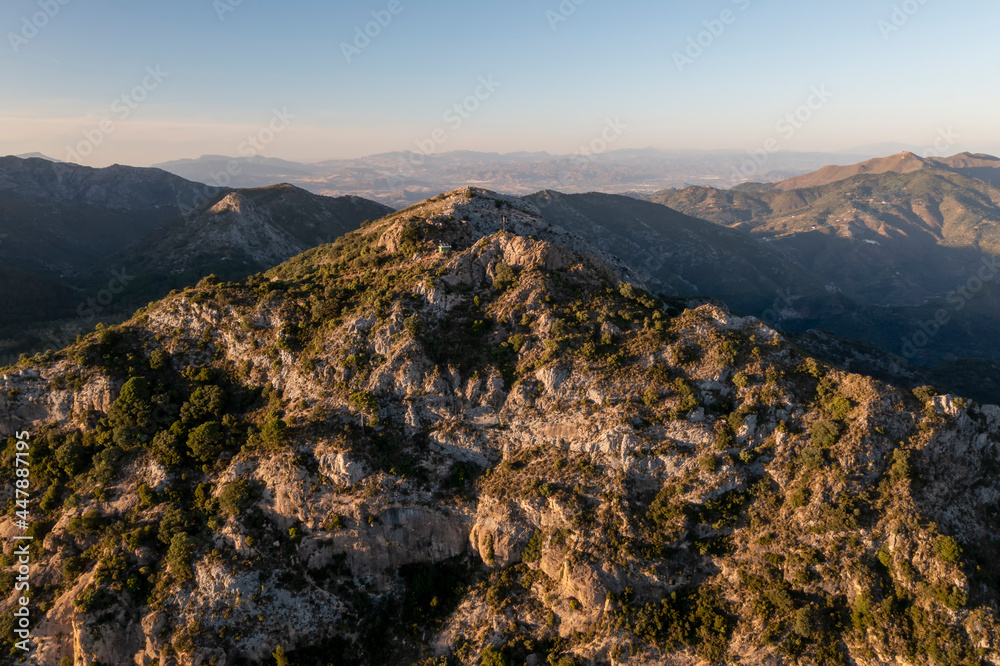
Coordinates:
<point>896,231</point>
<point>905,240</point>
<point>445,439</point>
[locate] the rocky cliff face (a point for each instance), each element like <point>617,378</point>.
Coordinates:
<point>388,452</point>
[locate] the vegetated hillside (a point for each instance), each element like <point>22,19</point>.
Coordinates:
<point>905,248</point>
<point>78,242</point>
<point>973,165</point>
<point>387,452</point>
<point>904,162</point>
<point>892,238</point>
<point>116,187</point>
<point>57,218</point>
<point>240,232</point>
<point>682,256</point>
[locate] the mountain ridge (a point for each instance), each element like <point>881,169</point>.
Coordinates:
<point>500,451</point>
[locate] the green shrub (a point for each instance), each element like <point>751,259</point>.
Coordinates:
<point>173,521</point>
<point>130,413</point>
<point>92,599</point>
<point>837,407</point>
<point>206,403</point>
<point>413,325</point>
<point>50,499</point>
<point>88,523</point>
<point>365,403</point>
<point>492,657</point>
<point>179,557</point>
<point>236,497</point>
<point>159,360</point>
<point>505,277</point>
<point>651,397</point>
<point>274,433</point>
<point>72,567</point>
<point>166,447</point>
<point>805,622</point>
<point>147,498</point>
<point>684,355</point>
<point>825,434</point>
<point>947,549</point>
<point>205,442</point>
<point>812,458</point>
<point>901,469</point>
<point>688,400</point>
<point>71,457</point>
<point>533,551</point>
<point>799,498</point>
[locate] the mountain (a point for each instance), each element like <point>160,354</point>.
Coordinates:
<point>913,238</point>
<point>678,255</point>
<point>76,242</point>
<point>402,178</point>
<point>252,171</point>
<point>255,229</point>
<point>967,164</point>
<point>57,218</point>
<point>447,438</point>
<point>36,155</point>
<point>893,237</point>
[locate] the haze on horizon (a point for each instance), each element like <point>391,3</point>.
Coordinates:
<point>157,82</point>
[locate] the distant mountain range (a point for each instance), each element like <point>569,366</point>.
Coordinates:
<point>506,452</point>
<point>402,178</point>
<point>889,257</point>
<point>895,231</point>
<point>911,241</point>
<point>77,244</point>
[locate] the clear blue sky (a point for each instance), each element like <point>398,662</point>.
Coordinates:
<point>558,87</point>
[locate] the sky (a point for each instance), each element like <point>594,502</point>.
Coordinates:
<point>141,82</point>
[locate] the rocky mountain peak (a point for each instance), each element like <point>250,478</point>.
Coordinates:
<point>497,453</point>
<point>460,218</point>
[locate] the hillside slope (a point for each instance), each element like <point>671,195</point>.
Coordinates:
<point>57,218</point>
<point>678,255</point>
<point>237,233</point>
<point>389,451</point>
<point>895,232</point>
<point>79,244</point>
